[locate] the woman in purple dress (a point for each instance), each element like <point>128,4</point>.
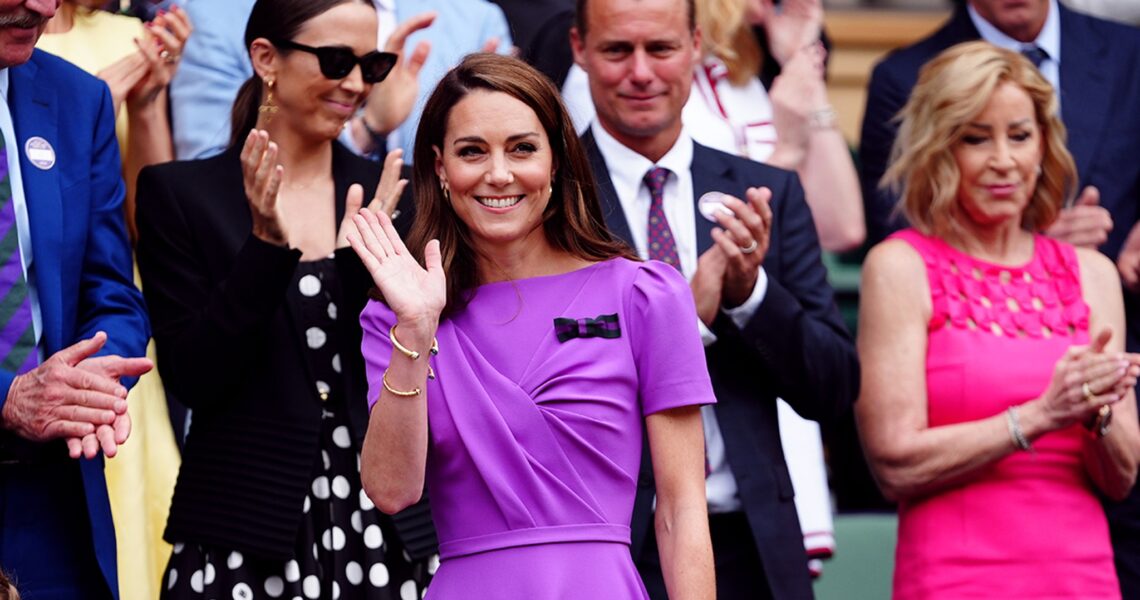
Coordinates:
<point>519,355</point>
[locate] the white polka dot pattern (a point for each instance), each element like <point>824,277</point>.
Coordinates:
<point>378,575</point>
<point>274,586</point>
<point>340,487</point>
<point>321,488</point>
<point>310,285</point>
<point>311,587</point>
<point>353,572</point>
<point>341,438</point>
<point>315,337</point>
<point>373,537</point>
<point>292,572</point>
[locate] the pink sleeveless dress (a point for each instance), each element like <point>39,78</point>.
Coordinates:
<point>1029,525</point>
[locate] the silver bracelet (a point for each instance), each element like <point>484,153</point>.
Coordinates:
<point>1015,432</point>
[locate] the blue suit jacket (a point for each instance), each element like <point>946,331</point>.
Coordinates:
<point>794,347</point>
<point>215,63</point>
<point>82,259</point>
<point>1100,93</point>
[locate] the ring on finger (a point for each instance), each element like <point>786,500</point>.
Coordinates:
<point>164,54</point>
<point>750,248</point>
<point>1087,392</point>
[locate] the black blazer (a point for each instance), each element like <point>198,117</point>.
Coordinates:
<point>229,346</point>
<point>794,347</point>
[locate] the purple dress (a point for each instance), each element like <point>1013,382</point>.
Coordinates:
<point>535,425</point>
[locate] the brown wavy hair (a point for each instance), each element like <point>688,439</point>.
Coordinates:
<point>573,220</point>
<point>952,89</point>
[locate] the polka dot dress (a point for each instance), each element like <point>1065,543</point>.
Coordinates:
<point>346,549</point>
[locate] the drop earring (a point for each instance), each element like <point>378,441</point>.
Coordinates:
<point>446,190</point>
<point>268,108</point>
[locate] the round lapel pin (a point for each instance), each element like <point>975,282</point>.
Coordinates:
<point>39,153</point>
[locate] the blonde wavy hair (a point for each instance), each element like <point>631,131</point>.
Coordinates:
<point>727,35</point>
<point>953,89</point>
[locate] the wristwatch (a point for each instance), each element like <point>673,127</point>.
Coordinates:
<point>1101,422</point>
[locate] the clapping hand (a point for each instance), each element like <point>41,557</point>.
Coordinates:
<point>1087,378</point>
<point>794,25</point>
<point>744,241</point>
<point>391,100</point>
<point>796,93</point>
<point>1086,223</point>
<point>74,396</point>
<point>385,199</point>
<point>261,177</point>
<point>162,51</point>
<point>416,294</point>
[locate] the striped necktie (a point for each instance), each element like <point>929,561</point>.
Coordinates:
<point>17,337</point>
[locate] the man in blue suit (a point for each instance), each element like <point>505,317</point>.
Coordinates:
<point>1095,66</point>
<point>215,63</point>
<point>765,310</point>
<point>56,535</point>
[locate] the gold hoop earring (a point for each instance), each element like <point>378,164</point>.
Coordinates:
<point>268,108</point>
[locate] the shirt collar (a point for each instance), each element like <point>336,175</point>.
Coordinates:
<point>1049,39</point>
<point>627,168</point>
<point>4,84</point>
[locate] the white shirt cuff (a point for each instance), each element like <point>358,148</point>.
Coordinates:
<point>743,313</point>
<point>708,338</point>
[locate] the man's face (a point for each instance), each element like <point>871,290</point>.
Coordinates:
<point>639,55</point>
<point>1021,20</point>
<point>21,23</point>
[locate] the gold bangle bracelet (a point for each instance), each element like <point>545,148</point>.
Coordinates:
<point>412,354</point>
<point>396,392</point>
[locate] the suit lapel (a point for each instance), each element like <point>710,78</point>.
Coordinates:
<point>709,175</point>
<point>607,195</point>
<point>1085,87</point>
<point>34,114</point>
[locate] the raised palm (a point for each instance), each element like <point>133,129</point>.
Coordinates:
<point>415,293</point>
<point>795,25</point>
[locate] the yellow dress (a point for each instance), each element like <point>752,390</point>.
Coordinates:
<point>140,480</point>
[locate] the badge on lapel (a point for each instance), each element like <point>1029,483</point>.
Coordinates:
<point>39,153</point>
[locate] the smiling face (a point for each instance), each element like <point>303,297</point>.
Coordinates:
<point>998,156</point>
<point>497,162</point>
<point>639,55</point>
<point>21,23</point>
<point>311,103</point>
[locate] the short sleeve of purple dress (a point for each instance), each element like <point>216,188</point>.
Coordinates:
<point>535,420</point>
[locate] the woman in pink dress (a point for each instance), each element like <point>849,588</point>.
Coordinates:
<point>996,401</point>
<point>519,355</point>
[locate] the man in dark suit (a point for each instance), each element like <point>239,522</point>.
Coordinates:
<point>1095,65</point>
<point>765,310</point>
<point>67,267</point>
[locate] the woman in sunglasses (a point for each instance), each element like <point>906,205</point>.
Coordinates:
<point>254,294</point>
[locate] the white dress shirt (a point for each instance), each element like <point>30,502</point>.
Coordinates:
<point>627,169</point>
<point>1049,40</point>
